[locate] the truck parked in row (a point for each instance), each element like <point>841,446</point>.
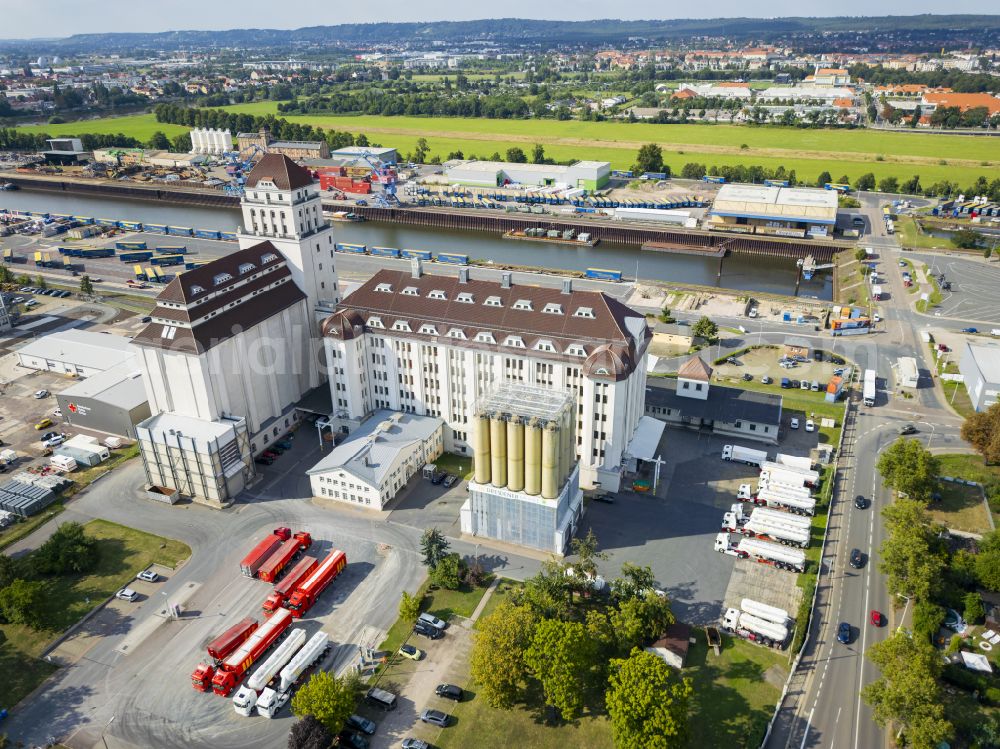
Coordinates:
<point>758,622</point>
<point>306,593</point>
<point>220,648</point>
<point>279,594</point>
<point>274,696</point>
<point>231,670</point>
<point>763,552</point>
<point>802,462</point>
<point>780,497</point>
<point>785,474</point>
<point>246,696</point>
<point>773,525</point>
<point>746,455</point>
<point>264,549</point>
<point>289,551</point>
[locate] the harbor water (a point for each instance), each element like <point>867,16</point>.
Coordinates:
<point>776,276</point>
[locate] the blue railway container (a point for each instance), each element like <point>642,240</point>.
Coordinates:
<point>604,274</point>
<point>453,257</point>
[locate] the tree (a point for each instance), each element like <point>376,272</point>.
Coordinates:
<point>965,239</point>
<point>647,703</point>
<point>498,660</point>
<point>538,154</point>
<point>640,620</point>
<point>40,282</point>
<point>448,572</point>
<point>908,467</point>
<point>982,431</point>
<point>409,607</point>
<point>974,610</point>
<point>705,328</point>
<point>20,602</point>
<point>649,159</point>
<point>907,692</point>
<point>634,582</point>
<point>67,550</point>
<point>823,179</point>
<point>420,153</point>
<point>865,182</point>
<point>325,697</point>
<point>159,141</point>
<point>8,570</point>
<point>561,656</point>
<point>888,184</point>
<point>309,733</point>
<point>910,555</point>
<point>987,561</point>
<point>181,143</point>
<point>86,285</point>
<point>434,546</point>
<point>860,254</point>
<point>548,592</point>
<point>516,156</point>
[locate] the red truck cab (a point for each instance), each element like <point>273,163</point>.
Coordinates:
<point>201,677</point>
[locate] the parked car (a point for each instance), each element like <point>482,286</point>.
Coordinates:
<point>449,691</point>
<point>48,436</point>
<point>264,460</point>
<point>908,429</point>
<point>876,618</point>
<point>147,318</point>
<point>810,425</point>
<point>844,633</point>
<point>860,502</point>
<point>969,330</point>
<point>747,377</point>
<point>46,422</point>
<point>408,651</point>
<point>786,383</point>
<point>434,717</point>
<point>362,724</point>
<point>352,739</point>
<point>284,444</point>
<point>54,441</point>
<point>148,575</point>
<point>603,497</point>
<point>425,630</point>
<point>57,413</point>
<point>412,743</point>
<point>432,621</point>
<point>794,423</point>
<point>766,380</point>
<point>39,394</point>
<point>449,480</point>
<point>734,360</point>
<point>857,559</point>
<point>127,594</point>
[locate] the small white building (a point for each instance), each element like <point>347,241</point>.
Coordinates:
<point>907,372</point>
<point>76,352</point>
<point>210,141</point>
<point>980,368</point>
<point>370,467</point>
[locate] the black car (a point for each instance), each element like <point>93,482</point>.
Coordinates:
<point>844,633</point>
<point>427,631</point>
<point>747,377</point>
<point>857,559</point>
<point>908,429</point>
<point>603,497</point>
<point>362,724</point>
<point>451,691</point>
<point>837,360</point>
<point>818,355</point>
<point>352,739</point>
<point>264,460</point>
<point>860,502</point>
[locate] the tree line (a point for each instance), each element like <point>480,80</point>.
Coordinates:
<point>425,103</point>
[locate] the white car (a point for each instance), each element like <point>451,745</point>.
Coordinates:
<point>41,394</point>
<point>54,441</point>
<point>876,317</point>
<point>794,423</point>
<point>127,594</point>
<point>810,425</point>
<point>432,621</point>
<point>57,413</point>
<point>148,575</point>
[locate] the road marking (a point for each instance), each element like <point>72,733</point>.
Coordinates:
<point>806,734</point>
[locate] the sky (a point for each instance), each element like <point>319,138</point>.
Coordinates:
<point>21,19</point>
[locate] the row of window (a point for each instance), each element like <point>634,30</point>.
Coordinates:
<point>465,297</point>
<point>513,341</point>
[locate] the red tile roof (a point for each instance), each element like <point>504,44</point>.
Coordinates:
<point>281,170</point>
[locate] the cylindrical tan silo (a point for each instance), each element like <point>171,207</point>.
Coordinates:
<point>481,447</point>
<point>515,453</point>
<point>532,457</point>
<point>560,453</point>
<point>498,450</point>
<point>550,460</point>
<point>569,420</point>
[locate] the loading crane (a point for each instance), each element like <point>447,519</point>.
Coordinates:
<point>385,175</point>
<point>238,165</point>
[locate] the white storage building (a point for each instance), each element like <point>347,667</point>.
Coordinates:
<point>590,175</point>
<point>77,352</point>
<point>980,368</point>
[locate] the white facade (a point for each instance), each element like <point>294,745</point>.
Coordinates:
<point>980,368</point>
<point>76,352</point>
<point>370,468</point>
<point>292,220</point>
<point>210,141</point>
<point>907,374</point>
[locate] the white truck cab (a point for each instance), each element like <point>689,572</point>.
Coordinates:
<point>270,702</point>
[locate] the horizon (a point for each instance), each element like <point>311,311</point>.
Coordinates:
<point>25,16</point>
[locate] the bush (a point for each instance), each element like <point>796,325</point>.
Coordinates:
<point>927,619</point>
<point>448,572</point>
<point>974,612</point>
<point>69,549</point>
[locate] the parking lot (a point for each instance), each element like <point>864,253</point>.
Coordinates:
<point>762,362</point>
<point>21,412</point>
<point>975,287</point>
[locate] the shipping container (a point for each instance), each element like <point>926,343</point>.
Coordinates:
<point>130,245</point>
<point>604,274</point>
<point>156,228</point>
<point>179,231</point>
<point>130,225</point>
<point>385,251</point>
<point>453,257</point>
<point>135,257</point>
<point>360,249</point>
<point>227,236</point>
<point>171,250</point>
<point>164,261</point>
<point>206,233</point>
<point>418,254</point>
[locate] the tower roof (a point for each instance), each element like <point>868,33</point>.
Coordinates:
<point>695,369</point>
<point>281,170</point>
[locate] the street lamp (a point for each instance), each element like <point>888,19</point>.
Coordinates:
<point>104,740</point>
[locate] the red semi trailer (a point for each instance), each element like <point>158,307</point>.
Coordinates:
<point>219,648</point>
<point>288,551</point>
<point>264,549</point>
<point>305,595</point>
<point>231,670</point>
<point>288,584</point>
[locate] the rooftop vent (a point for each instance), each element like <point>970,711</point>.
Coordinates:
<point>505,279</point>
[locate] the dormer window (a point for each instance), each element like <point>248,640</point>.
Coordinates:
<point>401,325</point>
<point>375,322</point>
<point>575,349</point>
<point>428,329</point>
<point>268,258</point>
<point>544,345</point>
<point>584,312</point>
<point>436,294</point>
<point>493,301</point>
<point>465,298</point>
<point>386,287</point>
<point>246,268</point>
<point>456,333</point>
<point>552,309</point>
<point>222,278</point>
<point>196,289</point>
<point>523,304</point>
<point>485,337</point>
<point>514,341</point>
<point>411,291</point>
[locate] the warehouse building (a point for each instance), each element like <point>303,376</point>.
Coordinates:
<point>298,149</point>
<point>780,211</point>
<point>111,402</point>
<point>370,467</point>
<point>980,369</point>
<point>526,484</point>
<point>76,352</point>
<point>385,155</point>
<point>590,175</point>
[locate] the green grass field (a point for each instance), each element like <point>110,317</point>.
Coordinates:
<point>122,553</point>
<point>807,151</point>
